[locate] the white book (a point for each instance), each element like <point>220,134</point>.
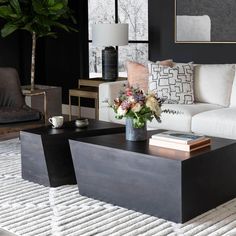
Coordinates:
<point>180,146</point>
<point>179,137</point>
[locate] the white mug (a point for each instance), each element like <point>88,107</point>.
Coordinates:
<point>56,121</point>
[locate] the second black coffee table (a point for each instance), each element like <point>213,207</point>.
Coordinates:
<point>166,183</point>
<point>45,152</point>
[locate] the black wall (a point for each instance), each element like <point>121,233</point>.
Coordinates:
<point>59,62</point>
<point>162,42</point>
<point>62,61</point>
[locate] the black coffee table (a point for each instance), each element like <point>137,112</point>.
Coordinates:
<point>170,184</point>
<point>45,152</point>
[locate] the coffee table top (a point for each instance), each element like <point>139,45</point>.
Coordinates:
<point>118,141</point>
<point>69,128</point>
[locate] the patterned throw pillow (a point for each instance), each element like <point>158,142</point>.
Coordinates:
<point>174,84</point>
<point>138,73</point>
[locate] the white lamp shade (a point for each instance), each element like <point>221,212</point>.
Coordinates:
<point>110,34</point>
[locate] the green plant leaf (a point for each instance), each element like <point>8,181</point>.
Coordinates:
<point>50,2</point>
<point>6,12</point>
<point>8,29</point>
<point>3,1</point>
<point>40,16</point>
<point>62,26</point>
<point>16,6</point>
<point>39,7</point>
<point>56,7</point>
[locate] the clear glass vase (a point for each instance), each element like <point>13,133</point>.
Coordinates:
<point>135,134</point>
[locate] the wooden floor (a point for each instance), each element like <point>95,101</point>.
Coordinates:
<point>9,136</point>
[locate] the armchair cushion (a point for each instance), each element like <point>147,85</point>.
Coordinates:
<point>18,114</point>
<point>10,91</point>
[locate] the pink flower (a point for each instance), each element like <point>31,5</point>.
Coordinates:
<point>128,92</point>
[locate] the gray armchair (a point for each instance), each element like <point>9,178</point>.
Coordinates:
<point>14,113</point>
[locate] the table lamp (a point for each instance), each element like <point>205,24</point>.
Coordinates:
<point>109,36</point>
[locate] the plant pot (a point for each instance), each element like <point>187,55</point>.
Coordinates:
<point>135,134</point>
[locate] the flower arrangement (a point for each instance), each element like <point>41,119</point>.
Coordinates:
<point>140,107</point>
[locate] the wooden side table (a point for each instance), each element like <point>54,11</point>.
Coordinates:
<point>88,88</point>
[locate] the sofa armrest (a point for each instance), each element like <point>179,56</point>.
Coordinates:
<point>108,92</point>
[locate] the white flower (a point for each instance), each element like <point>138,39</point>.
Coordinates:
<point>121,111</point>
<point>137,107</point>
<point>153,104</point>
<point>131,99</point>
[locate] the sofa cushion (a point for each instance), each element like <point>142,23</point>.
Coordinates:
<point>178,122</point>
<point>15,114</point>
<point>138,73</point>
<point>233,94</point>
<point>217,123</point>
<point>10,91</point>
<point>213,83</point>
<point>182,121</point>
<point>174,84</point>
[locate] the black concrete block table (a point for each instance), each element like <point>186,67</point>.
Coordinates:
<point>170,184</point>
<point>45,152</point>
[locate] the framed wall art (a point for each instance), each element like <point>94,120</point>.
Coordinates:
<point>205,21</point>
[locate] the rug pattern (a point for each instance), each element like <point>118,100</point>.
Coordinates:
<point>29,209</point>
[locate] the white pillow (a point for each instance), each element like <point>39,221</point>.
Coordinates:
<point>174,84</point>
<point>213,83</point>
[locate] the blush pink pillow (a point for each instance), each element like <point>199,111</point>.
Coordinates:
<point>138,73</point>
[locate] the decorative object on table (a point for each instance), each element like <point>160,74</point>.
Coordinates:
<point>179,137</point>
<point>135,134</point>
<point>174,84</point>
<point>110,35</point>
<point>81,123</point>
<point>56,121</point>
<point>40,18</point>
<point>138,108</point>
<point>205,21</point>
<point>180,141</point>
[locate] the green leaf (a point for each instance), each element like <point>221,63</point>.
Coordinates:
<point>16,6</point>
<point>3,1</point>
<point>62,26</point>
<point>39,7</point>
<point>56,7</point>
<point>40,16</point>
<point>8,29</point>
<point>50,2</point>
<point>6,12</point>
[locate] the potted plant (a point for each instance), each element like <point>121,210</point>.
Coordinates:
<point>39,17</point>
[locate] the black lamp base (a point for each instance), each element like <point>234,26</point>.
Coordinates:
<point>109,64</point>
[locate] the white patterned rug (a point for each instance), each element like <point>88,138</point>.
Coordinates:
<point>33,210</point>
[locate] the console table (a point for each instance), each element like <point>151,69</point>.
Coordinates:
<point>88,88</point>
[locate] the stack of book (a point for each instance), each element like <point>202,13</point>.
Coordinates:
<point>180,141</point>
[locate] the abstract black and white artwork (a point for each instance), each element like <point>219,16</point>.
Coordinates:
<point>212,21</point>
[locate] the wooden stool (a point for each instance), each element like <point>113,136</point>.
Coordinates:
<point>84,92</point>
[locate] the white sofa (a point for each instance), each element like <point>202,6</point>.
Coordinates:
<point>214,110</point>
